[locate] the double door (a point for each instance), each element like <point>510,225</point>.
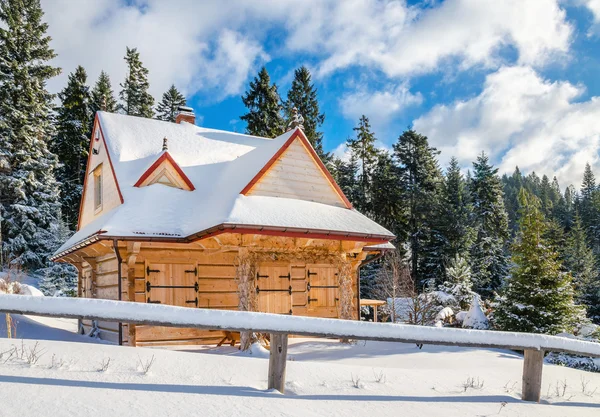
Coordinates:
<point>274,289</point>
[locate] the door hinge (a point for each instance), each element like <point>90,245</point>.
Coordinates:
<point>192,271</point>
<point>258,276</point>
<point>153,301</point>
<point>195,301</point>
<point>148,270</point>
<point>288,276</point>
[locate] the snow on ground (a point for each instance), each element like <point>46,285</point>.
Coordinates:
<point>324,377</point>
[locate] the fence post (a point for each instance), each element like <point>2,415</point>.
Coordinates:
<point>532,375</point>
<point>277,360</point>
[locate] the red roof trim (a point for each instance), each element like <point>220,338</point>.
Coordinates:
<point>87,165</point>
<point>298,133</point>
<point>165,157</point>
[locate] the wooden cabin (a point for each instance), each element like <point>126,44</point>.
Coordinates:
<point>177,214</point>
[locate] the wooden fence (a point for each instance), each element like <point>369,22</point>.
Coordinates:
<point>280,326</point>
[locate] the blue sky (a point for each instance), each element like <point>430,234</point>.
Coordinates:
<point>517,79</point>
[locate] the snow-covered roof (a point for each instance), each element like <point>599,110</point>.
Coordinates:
<point>219,164</point>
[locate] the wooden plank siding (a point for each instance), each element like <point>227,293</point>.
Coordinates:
<point>296,175</point>
<point>214,273</point>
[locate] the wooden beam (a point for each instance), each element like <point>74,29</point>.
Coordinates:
<point>532,375</point>
<point>277,361</point>
<point>133,249</point>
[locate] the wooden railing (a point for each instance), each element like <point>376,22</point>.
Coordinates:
<point>280,326</point>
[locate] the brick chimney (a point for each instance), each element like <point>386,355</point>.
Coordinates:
<point>185,114</point>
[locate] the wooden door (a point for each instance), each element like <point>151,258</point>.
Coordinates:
<point>172,284</point>
<point>157,284</point>
<point>274,289</point>
<point>323,289</point>
<point>185,285</point>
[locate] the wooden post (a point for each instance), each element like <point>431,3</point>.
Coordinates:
<point>532,375</point>
<point>277,361</point>
<point>133,249</point>
<point>375,313</point>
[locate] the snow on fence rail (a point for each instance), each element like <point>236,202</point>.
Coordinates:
<point>280,326</point>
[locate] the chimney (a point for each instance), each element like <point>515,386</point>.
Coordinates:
<point>185,114</point>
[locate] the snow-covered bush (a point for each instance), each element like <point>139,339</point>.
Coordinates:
<point>475,317</point>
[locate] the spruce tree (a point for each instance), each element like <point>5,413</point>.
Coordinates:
<point>264,107</point>
<point>303,96</point>
<point>345,175</point>
<point>488,255</point>
<point>103,97</point>
<point>419,181</point>
<point>169,105</point>
<point>28,188</point>
<point>135,98</point>
<point>538,297</point>
<point>71,143</point>
<point>455,215</point>
<point>587,209</point>
<point>458,282</point>
<point>363,149</point>
<point>579,260</point>
<point>386,197</point>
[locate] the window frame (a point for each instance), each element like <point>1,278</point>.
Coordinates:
<point>98,189</point>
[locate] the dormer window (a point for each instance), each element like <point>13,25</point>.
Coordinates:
<point>98,188</point>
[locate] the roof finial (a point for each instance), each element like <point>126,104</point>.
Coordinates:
<point>165,147</point>
<point>296,121</point>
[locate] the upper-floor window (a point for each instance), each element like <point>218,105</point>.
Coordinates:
<point>98,188</point>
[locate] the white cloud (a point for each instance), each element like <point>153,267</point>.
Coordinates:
<point>520,119</point>
<point>403,41</point>
<point>594,7</point>
<point>218,45</point>
<point>379,106</point>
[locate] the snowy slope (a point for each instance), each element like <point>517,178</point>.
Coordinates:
<point>223,381</point>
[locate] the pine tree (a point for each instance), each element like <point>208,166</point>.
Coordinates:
<point>458,282</point>
<point>136,100</point>
<point>488,256</point>
<point>345,175</point>
<point>71,143</point>
<point>28,189</point>
<point>167,109</point>
<point>264,107</point>
<point>455,215</point>
<point>538,297</point>
<point>103,97</point>
<point>579,260</point>
<point>587,210</point>
<point>363,148</point>
<point>386,198</point>
<point>419,181</point>
<point>303,96</point>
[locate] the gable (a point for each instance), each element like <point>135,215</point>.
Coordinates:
<point>297,173</point>
<point>99,168</point>
<point>165,171</point>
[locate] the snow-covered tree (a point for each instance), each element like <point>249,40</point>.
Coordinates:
<point>458,283</point>
<point>455,214</point>
<point>28,189</point>
<point>538,297</point>
<point>419,181</point>
<point>303,96</point>
<point>59,279</point>
<point>103,97</point>
<point>135,98</point>
<point>71,143</point>
<point>489,261</point>
<point>167,109</point>
<point>264,107</point>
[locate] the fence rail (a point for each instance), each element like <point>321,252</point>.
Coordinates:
<point>280,326</point>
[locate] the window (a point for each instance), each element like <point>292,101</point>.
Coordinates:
<point>98,188</point>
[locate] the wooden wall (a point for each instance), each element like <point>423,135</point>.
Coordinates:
<point>110,194</point>
<point>296,175</point>
<point>314,289</point>
<point>100,280</point>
